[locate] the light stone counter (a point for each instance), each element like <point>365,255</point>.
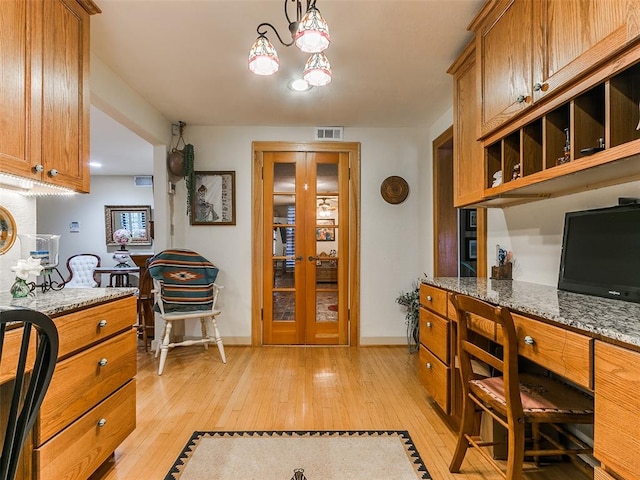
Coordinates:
<point>599,317</point>
<point>54,303</point>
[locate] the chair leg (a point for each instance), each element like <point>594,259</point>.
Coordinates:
<point>218,339</point>
<point>535,434</point>
<point>205,334</point>
<point>164,348</point>
<point>467,427</point>
<point>159,343</point>
<point>515,456</point>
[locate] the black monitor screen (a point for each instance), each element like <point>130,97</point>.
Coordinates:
<point>601,253</point>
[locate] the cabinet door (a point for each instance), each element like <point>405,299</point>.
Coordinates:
<point>65,93</point>
<point>617,409</point>
<point>468,163</point>
<point>504,54</point>
<point>19,107</point>
<point>576,35</point>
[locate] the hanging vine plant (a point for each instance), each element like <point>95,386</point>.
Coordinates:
<point>189,177</point>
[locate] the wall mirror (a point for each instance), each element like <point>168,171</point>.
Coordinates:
<point>135,218</point>
<point>8,230</point>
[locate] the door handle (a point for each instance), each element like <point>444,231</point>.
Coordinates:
<point>299,259</point>
<point>311,258</point>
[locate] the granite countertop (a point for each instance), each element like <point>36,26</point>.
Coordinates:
<point>600,317</point>
<point>54,303</point>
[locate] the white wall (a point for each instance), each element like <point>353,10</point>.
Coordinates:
<point>389,235</point>
<point>23,210</point>
<point>534,231</point>
<point>56,213</point>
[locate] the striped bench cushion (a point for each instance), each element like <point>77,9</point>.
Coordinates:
<point>187,280</point>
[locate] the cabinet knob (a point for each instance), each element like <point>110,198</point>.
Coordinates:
<point>102,323</point>
<point>521,98</point>
<point>429,298</point>
<point>529,340</point>
<point>102,422</point>
<point>53,172</point>
<point>38,168</point>
<point>103,362</point>
<point>428,324</point>
<point>428,365</point>
<point>540,86</point>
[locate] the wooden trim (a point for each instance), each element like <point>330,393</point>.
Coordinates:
<point>352,149</point>
<point>440,189</point>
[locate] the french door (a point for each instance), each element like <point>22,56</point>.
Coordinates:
<point>305,248</point>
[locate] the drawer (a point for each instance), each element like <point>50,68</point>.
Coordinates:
<point>86,327</point>
<point>617,409</point>
<point>566,353</point>
<point>82,447</point>
<point>11,351</point>
<point>434,299</point>
<point>435,377</point>
<point>79,383</point>
<point>434,334</point>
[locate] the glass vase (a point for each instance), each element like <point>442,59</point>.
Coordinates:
<point>20,288</point>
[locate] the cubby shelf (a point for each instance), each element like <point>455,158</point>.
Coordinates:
<point>602,123</point>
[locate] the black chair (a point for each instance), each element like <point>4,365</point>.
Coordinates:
<point>29,360</point>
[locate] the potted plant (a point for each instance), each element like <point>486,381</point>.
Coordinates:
<point>410,300</point>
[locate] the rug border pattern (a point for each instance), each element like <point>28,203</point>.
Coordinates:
<point>412,452</point>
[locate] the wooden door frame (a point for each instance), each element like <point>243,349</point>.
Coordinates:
<point>352,149</point>
<point>481,217</point>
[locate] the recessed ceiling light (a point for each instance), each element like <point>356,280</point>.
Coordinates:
<point>299,85</point>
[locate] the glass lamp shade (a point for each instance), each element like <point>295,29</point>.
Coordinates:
<point>313,32</point>
<point>263,58</point>
<point>317,71</point>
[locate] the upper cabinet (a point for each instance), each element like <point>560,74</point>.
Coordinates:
<point>468,166</point>
<point>557,102</point>
<point>44,66</point>
<point>528,49</point>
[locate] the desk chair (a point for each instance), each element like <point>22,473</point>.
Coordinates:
<point>184,289</point>
<point>81,270</point>
<point>24,358</point>
<point>513,399</point>
<point>145,306</point>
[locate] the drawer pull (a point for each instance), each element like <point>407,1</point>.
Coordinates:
<point>529,340</point>
<point>103,362</point>
<point>102,323</point>
<point>102,422</point>
<point>428,324</point>
<point>428,365</point>
<point>429,298</point>
<point>521,99</point>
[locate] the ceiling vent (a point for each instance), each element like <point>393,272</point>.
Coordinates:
<point>332,134</point>
<point>143,181</point>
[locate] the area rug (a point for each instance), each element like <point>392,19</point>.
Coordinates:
<point>300,455</point>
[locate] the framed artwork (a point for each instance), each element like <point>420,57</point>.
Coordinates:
<point>325,234</point>
<point>472,248</point>
<point>214,198</point>
<point>472,219</point>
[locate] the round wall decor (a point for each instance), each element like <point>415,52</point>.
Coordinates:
<point>394,189</point>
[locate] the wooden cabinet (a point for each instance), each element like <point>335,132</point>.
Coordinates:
<point>617,409</point>
<point>89,408</point>
<point>468,164</point>
<point>44,64</point>
<point>548,71</point>
<point>435,370</point>
<point>504,39</point>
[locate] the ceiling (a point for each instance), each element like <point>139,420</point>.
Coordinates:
<point>188,58</point>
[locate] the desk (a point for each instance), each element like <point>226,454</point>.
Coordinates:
<point>118,274</point>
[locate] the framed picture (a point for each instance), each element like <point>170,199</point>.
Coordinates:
<point>213,199</point>
<point>325,234</point>
<point>472,248</point>
<point>472,219</point>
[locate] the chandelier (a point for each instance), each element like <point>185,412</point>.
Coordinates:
<point>310,33</point>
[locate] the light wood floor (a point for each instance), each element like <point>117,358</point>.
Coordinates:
<point>288,388</point>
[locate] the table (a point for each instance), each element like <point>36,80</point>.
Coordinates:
<point>119,275</point>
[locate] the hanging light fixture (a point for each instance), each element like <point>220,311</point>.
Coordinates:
<point>310,33</point>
